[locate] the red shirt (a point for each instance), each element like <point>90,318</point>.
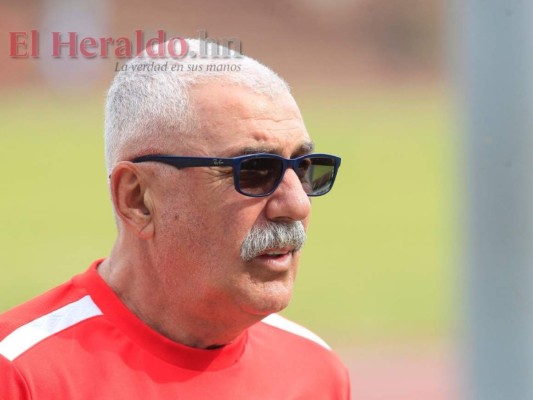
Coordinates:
<point>79,341</point>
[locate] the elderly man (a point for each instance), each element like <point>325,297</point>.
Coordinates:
<point>210,175</point>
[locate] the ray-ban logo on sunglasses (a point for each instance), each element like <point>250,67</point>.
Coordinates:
<point>217,162</point>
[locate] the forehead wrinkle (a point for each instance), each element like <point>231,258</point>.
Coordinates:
<point>267,129</point>
<point>293,118</point>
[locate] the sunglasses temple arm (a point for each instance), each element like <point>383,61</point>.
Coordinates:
<point>186,162</point>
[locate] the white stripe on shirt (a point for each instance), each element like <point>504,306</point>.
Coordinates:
<point>28,335</point>
<point>282,323</point>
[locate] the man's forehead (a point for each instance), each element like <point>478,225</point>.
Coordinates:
<point>232,100</point>
<point>237,121</point>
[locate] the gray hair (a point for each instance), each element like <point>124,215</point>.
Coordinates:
<point>145,106</point>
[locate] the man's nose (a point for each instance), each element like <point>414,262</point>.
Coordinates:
<point>289,202</point>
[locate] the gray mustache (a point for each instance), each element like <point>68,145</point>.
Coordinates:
<point>272,235</point>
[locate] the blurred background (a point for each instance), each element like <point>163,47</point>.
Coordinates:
<point>379,278</point>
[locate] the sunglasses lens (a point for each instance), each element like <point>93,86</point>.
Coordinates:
<point>259,175</point>
<point>317,175</point>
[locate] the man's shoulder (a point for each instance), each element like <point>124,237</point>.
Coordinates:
<point>31,322</point>
<point>292,330</point>
<point>281,337</point>
<point>288,347</point>
<point>41,304</point>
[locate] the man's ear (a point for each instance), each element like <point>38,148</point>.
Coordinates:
<point>131,199</point>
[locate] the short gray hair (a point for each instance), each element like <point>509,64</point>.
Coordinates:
<point>144,106</point>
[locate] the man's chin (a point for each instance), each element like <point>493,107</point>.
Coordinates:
<point>268,304</point>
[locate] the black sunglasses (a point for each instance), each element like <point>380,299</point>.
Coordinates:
<point>258,175</point>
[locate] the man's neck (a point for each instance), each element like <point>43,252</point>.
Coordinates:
<point>180,321</point>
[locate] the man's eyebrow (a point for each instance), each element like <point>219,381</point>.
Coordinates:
<point>254,150</point>
<point>304,148</point>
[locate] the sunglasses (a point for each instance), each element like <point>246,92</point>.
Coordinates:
<point>258,175</point>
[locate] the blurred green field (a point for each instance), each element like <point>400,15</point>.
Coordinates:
<point>378,263</point>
